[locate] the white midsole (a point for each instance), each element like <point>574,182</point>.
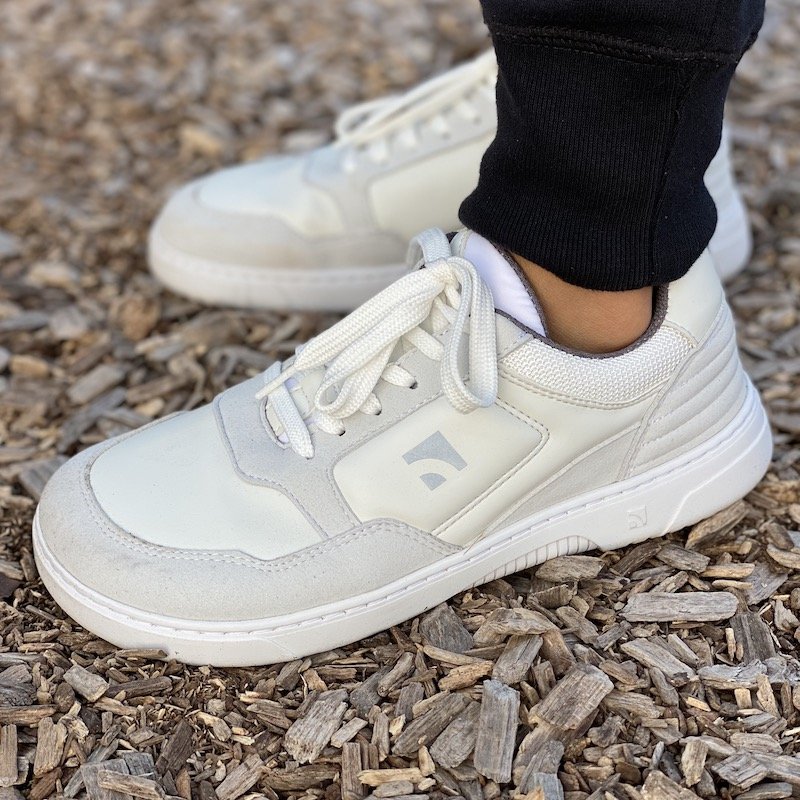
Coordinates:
<point>669,497</point>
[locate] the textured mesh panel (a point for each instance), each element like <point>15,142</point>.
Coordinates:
<point>597,380</point>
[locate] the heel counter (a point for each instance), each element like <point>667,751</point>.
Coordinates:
<point>704,395</point>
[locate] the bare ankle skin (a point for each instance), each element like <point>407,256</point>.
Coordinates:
<point>585,319</point>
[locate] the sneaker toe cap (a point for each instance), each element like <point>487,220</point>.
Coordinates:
<point>159,521</point>
<point>251,215</point>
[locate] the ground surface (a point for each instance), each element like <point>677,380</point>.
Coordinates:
<point>104,108</point>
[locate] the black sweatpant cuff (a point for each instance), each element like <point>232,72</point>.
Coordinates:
<point>596,172</point>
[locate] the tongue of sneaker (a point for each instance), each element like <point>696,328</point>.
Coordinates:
<point>512,295</point>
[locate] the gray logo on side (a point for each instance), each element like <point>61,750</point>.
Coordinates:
<point>435,448</point>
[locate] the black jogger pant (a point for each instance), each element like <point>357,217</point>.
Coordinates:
<point>609,112</point>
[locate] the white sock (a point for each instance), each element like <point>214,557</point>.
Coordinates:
<point>512,294</point>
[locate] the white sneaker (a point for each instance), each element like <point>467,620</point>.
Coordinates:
<point>368,478</point>
<point>327,230</point>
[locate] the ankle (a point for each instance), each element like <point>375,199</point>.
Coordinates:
<point>585,319</point>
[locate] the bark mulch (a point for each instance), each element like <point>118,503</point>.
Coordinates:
<point>666,670</point>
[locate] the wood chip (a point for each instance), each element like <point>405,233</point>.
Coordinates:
<point>732,571</point>
<point>544,786</point>
<point>631,705</point>
<point>91,385</point>
<point>49,746</point>
<point>724,677</point>
<point>516,658</point>
<point>241,778</point>
<point>347,731</point>
<point>767,791</point>
<point>681,558</point>
<point>394,789</point>
<point>466,675</point>
<point>376,777</point>
<point>764,582</point>
<point>505,622</point>
<point>90,775</point>
<point>741,770</point>
<point>425,728</point>
<point>570,568</point>
<point>352,788</point>
<point>782,768</point>
<point>756,743</point>
<point>693,761</point>
<point>457,740</point>
<point>8,755</point>
<point>85,683</point>
<point>409,696</point>
<point>140,764</point>
<point>133,785</point>
<point>36,474</point>
<point>716,527</point>
<point>396,675</point>
<point>443,629</point>
<point>680,607</point>
<point>556,651</point>
<point>545,760</point>
<point>25,715</point>
<point>177,749</point>
<point>309,735</point>
<point>366,695</point>
<point>753,640</point>
<point>575,698</point>
<point>497,728</point>
<point>636,557</point>
<point>659,787</point>
<point>300,779</point>
<point>652,654</point>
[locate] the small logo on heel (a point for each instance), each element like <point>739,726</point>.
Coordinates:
<point>637,518</point>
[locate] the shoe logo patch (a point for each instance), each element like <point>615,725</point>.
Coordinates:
<point>637,518</point>
<point>435,448</point>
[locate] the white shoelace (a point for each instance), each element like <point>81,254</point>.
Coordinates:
<point>372,124</point>
<point>356,352</point>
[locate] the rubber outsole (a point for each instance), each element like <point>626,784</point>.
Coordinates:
<point>670,497</point>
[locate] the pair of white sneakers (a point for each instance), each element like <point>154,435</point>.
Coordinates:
<point>432,440</point>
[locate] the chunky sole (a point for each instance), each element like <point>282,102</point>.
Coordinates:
<point>667,498</point>
<point>335,289</point>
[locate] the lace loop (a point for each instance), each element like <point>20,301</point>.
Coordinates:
<point>356,353</point>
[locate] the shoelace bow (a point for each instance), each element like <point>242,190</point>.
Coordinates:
<point>356,352</point>
<point>374,120</point>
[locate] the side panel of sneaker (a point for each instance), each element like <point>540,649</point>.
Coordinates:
<point>406,201</point>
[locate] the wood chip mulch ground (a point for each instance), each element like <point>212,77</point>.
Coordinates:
<point>667,670</point>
